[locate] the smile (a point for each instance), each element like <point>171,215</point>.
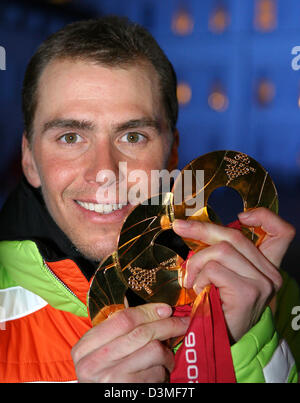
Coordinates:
<point>101,208</point>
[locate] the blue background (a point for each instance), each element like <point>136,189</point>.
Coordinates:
<point>237,59</point>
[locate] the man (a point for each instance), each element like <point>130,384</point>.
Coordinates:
<point>95,94</point>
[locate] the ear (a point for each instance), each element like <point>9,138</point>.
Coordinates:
<point>29,165</point>
<point>173,158</point>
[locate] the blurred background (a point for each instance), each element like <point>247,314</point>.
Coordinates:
<point>238,81</point>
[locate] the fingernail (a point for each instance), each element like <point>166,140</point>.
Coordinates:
<point>181,224</point>
<point>164,311</point>
<point>244,214</point>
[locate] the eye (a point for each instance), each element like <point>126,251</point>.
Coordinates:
<point>71,138</point>
<point>133,137</point>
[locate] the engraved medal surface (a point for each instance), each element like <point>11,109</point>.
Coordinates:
<point>146,265</point>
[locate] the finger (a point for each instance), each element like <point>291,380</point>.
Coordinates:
<point>210,233</point>
<point>242,301</point>
<point>225,279</point>
<point>119,323</point>
<point>138,338</point>
<point>153,354</point>
<point>156,374</point>
<point>213,234</point>
<point>225,254</point>
<point>270,222</point>
<point>279,233</point>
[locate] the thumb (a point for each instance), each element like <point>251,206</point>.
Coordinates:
<point>279,233</point>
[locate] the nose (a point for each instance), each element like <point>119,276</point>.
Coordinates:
<point>101,164</point>
<point>105,170</point>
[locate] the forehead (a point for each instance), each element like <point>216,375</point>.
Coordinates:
<point>75,83</point>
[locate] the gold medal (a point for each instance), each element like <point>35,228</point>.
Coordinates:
<point>148,261</point>
<point>231,169</point>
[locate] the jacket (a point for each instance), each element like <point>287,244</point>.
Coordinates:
<point>43,290</point>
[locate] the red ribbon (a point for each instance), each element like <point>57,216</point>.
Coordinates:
<point>205,355</point>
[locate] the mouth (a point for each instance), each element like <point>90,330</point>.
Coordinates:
<point>101,208</point>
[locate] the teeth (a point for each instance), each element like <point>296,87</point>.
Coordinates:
<point>101,208</point>
<point>107,208</point>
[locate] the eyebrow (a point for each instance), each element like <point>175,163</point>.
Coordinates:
<point>68,124</point>
<point>136,123</point>
<point>75,124</point>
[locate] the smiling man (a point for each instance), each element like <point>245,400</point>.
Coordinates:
<point>98,94</point>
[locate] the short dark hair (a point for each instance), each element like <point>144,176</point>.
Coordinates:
<point>112,41</point>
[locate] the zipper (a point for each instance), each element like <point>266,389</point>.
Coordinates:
<point>58,279</point>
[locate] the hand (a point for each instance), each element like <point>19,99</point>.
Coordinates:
<point>127,347</point>
<point>247,276</point>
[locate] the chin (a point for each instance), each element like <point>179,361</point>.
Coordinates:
<point>96,252</point>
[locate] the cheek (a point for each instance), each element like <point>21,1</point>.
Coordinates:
<point>56,175</point>
<point>148,181</point>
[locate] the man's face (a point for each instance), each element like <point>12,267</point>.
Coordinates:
<point>88,119</point>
